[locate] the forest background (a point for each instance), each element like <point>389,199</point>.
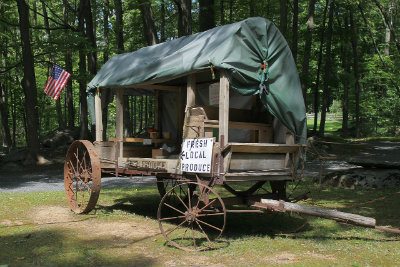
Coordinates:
<point>347,54</point>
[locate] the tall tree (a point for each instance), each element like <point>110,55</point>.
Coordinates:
<point>295,29</point>
<point>327,70</point>
<point>357,86</point>
<point>184,17</point>
<point>69,97</point>
<point>119,34</point>
<point>387,22</point>
<point>84,131</point>
<point>162,24</point>
<point>206,15</point>
<point>149,26</point>
<point>305,73</point>
<point>106,95</point>
<point>345,55</point>
<point>4,117</point>
<point>29,81</point>
<point>320,53</point>
<point>283,7</point>
<point>119,26</point>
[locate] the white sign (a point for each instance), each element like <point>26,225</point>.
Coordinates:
<point>196,155</point>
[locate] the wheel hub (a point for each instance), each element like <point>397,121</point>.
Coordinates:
<point>191,215</point>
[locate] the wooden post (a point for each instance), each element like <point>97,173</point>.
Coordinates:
<point>190,92</point>
<point>289,140</point>
<point>98,115</point>
<point>119,120</point>
<point>223,109</point>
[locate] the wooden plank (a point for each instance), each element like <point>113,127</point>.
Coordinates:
<point>223,109</point>
<point>141,140</point>
<point>191,91</point>
<point>251,174</point>
<point>119,119</point>
<point>160,87</point>
<point>98,115</point>
<point>256,162</point>
<point>258,178</point>
<point>319,212</point>
<point>263,148</point>
<point>289,141</point>
<point>150,164</point>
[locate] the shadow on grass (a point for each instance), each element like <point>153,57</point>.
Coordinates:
<point>382,205</point>
<point>55,247</point>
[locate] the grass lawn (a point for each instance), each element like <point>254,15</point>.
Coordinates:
<point>38,229</point>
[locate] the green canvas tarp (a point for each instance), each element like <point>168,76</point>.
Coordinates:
<point>240,49</point>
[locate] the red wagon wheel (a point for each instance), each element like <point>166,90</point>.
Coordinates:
<point>82,176</point>
<point>192,223</point>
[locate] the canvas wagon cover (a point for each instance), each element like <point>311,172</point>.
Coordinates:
<point>240,48</point>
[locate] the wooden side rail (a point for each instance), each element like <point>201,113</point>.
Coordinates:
<point>262,148</point>
<point>140,140</point>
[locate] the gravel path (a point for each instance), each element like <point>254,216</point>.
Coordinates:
<point>52,180</point>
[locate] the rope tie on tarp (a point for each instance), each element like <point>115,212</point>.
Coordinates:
<point>264,77</point>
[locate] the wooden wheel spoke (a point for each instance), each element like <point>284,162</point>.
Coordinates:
<point>175,228</point>
<point>209,225</point>
<point>208,204</point>
<point>181,212</point>
<point>181,201</point>
<point>201,228</point>
<point>189,200</point>
<point>194,239</point>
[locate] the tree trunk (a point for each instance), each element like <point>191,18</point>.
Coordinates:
<point>316,87</point>
<point>222,12</point>
<point>357,87</point>
<point>387,22</point>
<point>149,27</point>
<point>84,132</point>
<point>387,28</point>
<point>69,97</point>
<point>90,33</point>
<point>206,15</point>
<point>231,4</point>
<point>346,69</point>
<point>29,82</point>
<point>162,24</point>
<point>106,95</point>
<point>119,31</point>
<point>4,118</point>
<point>252,5</point>
<point>327,75</point>
<point>307,49</point>
<point>283,17</point>
<point>295,29</point>
<point>184,17</point>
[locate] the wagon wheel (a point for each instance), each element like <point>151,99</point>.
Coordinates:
<point>194,223</point>
<point>82,176</point>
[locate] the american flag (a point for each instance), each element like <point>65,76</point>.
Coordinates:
<point>56,82</point>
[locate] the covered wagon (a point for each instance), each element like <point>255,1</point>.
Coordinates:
<point>228,110</point>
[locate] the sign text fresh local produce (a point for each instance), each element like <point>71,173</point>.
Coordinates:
<point>196,155</point>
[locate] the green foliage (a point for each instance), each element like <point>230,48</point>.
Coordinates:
<point>378,72</point>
